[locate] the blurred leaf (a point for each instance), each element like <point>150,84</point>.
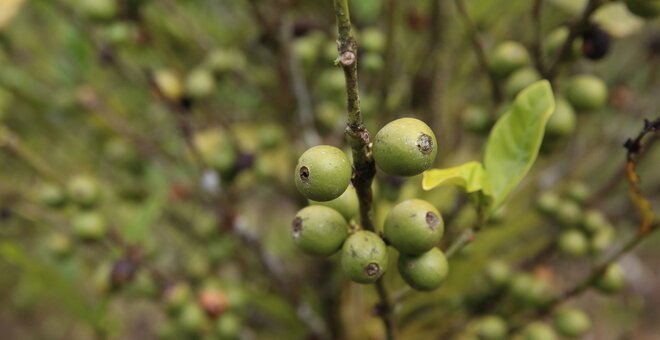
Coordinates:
<point>573,7</point>
<point>515,140</point>
<point>471,176</point>
<point>59,287</point>
<point>8,10</point>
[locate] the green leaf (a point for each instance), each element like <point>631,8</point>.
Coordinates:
<point>471,176</point>
<point>515,140</point>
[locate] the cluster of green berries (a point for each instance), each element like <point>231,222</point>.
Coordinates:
<point>404,147</point>
<point>583,232</point>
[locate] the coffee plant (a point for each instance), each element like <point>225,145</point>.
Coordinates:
<point>461,169</point>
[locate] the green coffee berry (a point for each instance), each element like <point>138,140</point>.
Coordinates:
<point>508,57</point>
<point>271,136</point>
<point>168,83</point>
<point>424,272</point>
<point>364,257</point>
<point>563,121</point>
<point>612,280</point>
<point>199,83</point>
<point>89,226</point>
<point>59,244</point>
<point>372,40</point>
<point>372,62</point>
<point>579,192</point>
<point>217,150</point>
<point>573,242</point>
<point>529,290</point>
<point>405,147</point>
<point>593,220</point>
<point>647,9</point>
<point>223,60</point>
<point>602,239</point>
<point>192,319</point>
<point>538,331</point>
<point>548,203</point>
<point>176,297</point>
<point>587,93</point>
<point>323,173</point>
<point>571,322</point>
<point>569,213</point>
<point>347,204</point>
<point>498,273</point>
<point>519,80</point>
<point>413,227</point>
<point>229,326</point>
<point>99,9</point>
<point>492,327</point>
<point>83,190</point>
<point>556,39</point>
<point>319,230</point>
<point>52,195</point>
<point>476,120</point>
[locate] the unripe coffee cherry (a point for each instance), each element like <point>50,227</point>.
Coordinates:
<point>200,83</point>
<point>571,322</point>
<point>52,195</point>
<point>587,93</point>
<point>323,173</point>
<point>89,226</point>
<point>563,121</point>
<point>556,39</point>
<point>508,57</point>
<point>538,331</point>
<point>192,319</point>
<point>491,327</point>
<point>372,40</point>
<point>319,230</point>
<point>578,192</point>
<point>612,280</point>
<point>59,244</point>
<point>176,296</point>
<point>573,242</point>
<point>548,203</point>
<point>498,273</point>
<point>83,190</point>
<point>405,147</point>
<point>602,239</point>
<point>413,227</point>
<point>530,290</point>
<point>476,120</point>
<point>424,272</point>
<point>569,213</point>
<point>217,149</point>
<point>593,221</point>
<point>99,9</point>
<point>364,257</point>
<point>347,204</point>
<point>229,326</point>
<point>519,80</point>
<point>647,9</point>
<point>168,84</point>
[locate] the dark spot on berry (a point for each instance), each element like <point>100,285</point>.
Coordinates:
<point>432,220</point>
<point>372,269</point>
<point>297,226</point>
<point>304,174</point>
<point>425,144</point>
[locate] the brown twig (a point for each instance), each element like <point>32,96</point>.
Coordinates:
<point>358,137</point>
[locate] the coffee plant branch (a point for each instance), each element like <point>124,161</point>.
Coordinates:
<point>358,137</point>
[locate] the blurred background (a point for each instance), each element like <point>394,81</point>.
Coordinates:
<point>147,150</point>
